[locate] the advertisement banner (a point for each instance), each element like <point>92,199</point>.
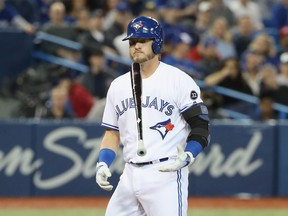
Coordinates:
<point>238,162</point>
<point>282,186</point>
<point>68,153</point>
<point>58,158</point>
<point>16,158</point>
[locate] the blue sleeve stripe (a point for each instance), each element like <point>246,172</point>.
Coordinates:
<point>110,126</point>
<point>186,107</point>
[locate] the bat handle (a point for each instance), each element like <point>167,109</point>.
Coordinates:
<point>141,151</point>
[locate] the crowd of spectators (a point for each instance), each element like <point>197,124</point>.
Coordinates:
<point>237,44</point>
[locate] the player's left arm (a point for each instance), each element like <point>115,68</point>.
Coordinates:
<point>197,118</point>
<point>199,137</point>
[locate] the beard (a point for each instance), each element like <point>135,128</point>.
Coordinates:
<point>141,58</point>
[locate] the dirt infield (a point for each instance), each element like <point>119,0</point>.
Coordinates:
<point>88,202</point>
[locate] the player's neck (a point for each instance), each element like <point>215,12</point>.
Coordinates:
<point>148,68</point>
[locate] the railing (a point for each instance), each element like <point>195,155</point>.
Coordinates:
<point>41,36</point>
<point>282,109</point>
<point>60,61</point>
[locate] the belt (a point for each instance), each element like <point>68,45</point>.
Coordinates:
<point>150,162</point>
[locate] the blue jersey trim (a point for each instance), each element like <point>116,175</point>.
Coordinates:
<point>110,126</point>
<point>185,108</point>
<point>179,175</point>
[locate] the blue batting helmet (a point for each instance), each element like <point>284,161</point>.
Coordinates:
<point>148,28</point>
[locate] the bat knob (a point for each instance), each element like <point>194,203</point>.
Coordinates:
<point>141,152</point>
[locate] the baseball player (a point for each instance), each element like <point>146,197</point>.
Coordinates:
<point>175,130</point>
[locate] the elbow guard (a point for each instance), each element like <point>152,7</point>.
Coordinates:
<point>197,117</point>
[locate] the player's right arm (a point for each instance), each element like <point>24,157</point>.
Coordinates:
<point>108,149</point>
<point>111,140</point>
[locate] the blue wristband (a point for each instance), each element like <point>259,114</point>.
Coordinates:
<point>194,147</point>
<point>107,156</point>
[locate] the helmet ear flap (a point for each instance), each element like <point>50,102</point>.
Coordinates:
<point>156,47</point>
<point>158,39</point>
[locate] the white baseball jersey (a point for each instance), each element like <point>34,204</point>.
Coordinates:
<point>165,94</point>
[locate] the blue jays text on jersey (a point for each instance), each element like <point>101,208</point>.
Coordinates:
<point>147,102</point>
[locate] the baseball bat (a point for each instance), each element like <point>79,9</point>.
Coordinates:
<point>136,82</point>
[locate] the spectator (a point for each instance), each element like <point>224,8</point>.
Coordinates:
<point>201,26</point>
<point>96,36</point>
<point>264,45</point>
<point>269,77</point>
<point>265,111</point>
<point>121,14</point>
<point>122,47</point>
<point>175,13</point>
<point>243,34</point>
<point>9,17</point>
<point>57,13</point>
<point>219,9</point>
<point>265,9</point>
<point>80,99</point>
<point>26,8</point>
<point>263,5</point>
<point>279,14</point>
<point>203,18</point>
<point>181,44</point>
<point>247,8</point>
<point>150,9</point>
<point>98,78</point>
<point>231,77</point>
<point>74,8</point>
<point>268,82</point>
<point>214,103</point>
<point>250,68</point>
<point>58,102</point>
<point>222,36</point>
<point>283,40</point>
<point>111,10</point>
<point>99,4</point>
<point>82,23</point>
<point>136,6</point>
<point>282,79</point>
<point>210,60</point>
<point>57,26</point>
<point>43,10</point>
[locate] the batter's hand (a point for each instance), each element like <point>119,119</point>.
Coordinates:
<point>183,159</point>
<point>102,174</point>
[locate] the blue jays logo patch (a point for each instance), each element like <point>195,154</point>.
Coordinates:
<point>137,26</point>
<point>163,127</point>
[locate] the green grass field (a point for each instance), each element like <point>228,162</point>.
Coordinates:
<point>100,212</point>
